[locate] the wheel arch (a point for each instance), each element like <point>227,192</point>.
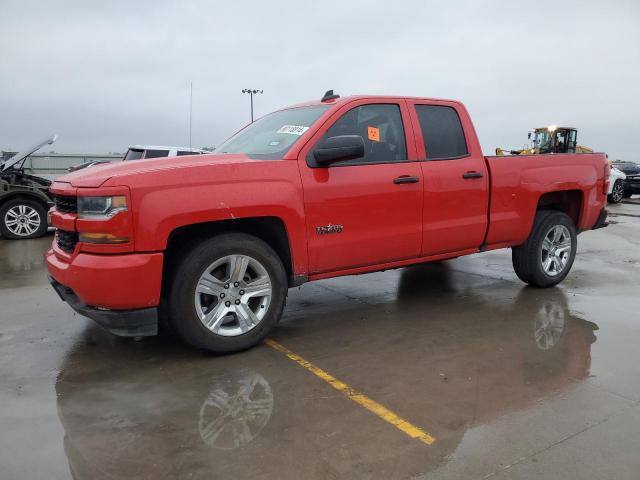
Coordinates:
<point>566,201</point>
<point>271,230</point>
<point>25,194</point>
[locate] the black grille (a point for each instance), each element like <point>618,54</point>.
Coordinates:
<point>66,240</point>
<point>65,203</point>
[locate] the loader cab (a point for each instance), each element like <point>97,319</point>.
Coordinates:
<point>555,139</point>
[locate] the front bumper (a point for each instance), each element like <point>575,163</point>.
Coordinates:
<point>125,323</point>
<point>119,292</point>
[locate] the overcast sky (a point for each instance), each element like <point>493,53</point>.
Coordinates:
<point>108,74</point>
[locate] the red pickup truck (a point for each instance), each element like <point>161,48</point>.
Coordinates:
<point>340,186</point>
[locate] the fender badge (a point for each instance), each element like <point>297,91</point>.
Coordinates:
<point>329,229</point>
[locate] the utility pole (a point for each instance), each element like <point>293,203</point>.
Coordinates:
<point>252,92</point>
<point>190,113</point>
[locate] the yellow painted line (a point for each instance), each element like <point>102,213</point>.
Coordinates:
<point>361,399</point>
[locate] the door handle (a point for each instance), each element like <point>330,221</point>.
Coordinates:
<point>405,179</point>
<point>467,175</point>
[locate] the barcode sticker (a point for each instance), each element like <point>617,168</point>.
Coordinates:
<point>293,129</point>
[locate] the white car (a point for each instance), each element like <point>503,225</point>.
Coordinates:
<point>138,152</point>
<point>616,185</point>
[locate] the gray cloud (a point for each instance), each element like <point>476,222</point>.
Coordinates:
<point>104,75</point>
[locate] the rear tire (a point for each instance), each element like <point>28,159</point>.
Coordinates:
<point>545,259</point>
<point>22,218</point>
<point>227,293</point>
<point>617,192</point>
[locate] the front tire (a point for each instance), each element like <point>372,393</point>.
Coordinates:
<point>617,192</point>
<point>545,259</point>
<point>23,219</point>
<point>227,293</point>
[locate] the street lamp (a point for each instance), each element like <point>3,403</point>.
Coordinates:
<point>252,92</point>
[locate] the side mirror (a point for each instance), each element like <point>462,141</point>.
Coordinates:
<point>335,149</point>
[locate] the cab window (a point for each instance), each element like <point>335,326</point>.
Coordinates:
<point>380,126</point>
<point>156,153</point>
<point>442,132</point>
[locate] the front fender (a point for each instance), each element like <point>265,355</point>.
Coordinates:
<point>158,211</point>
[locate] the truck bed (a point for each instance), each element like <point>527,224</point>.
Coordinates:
<point>518,182</point>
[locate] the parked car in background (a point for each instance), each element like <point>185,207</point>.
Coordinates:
<point>24,198</point>
<point>616,185</point>
<point>336,186</point>
<point>139,152</point>
<point>632,182</point>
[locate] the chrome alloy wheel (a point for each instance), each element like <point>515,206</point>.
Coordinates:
<point>549,325</point>
<point>617,192</point>
<point>233,295</point>
<point>22,220</point>
<point>556,250</point>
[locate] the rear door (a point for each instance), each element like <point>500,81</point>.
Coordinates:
<point>456,179</point>
<point>365,211</point>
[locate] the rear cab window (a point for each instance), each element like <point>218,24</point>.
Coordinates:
<point>442,132</point>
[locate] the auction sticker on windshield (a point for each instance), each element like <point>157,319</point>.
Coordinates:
<point>293,129</point>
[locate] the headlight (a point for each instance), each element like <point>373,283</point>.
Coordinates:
<point>101,208</point>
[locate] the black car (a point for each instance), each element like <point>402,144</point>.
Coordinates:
<point>632,171</point>
<point>24,198</point>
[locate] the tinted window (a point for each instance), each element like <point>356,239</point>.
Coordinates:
<point>380,125</point>
<point>442,132</point>
<point>156,153</point>
<point>133,154</point>
<point>182,153</point>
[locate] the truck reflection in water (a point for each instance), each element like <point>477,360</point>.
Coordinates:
<point>155,409</point>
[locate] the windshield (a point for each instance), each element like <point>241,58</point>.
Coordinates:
<point>271,136</point>
<point>133,154</point>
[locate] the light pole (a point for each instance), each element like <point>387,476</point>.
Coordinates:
<point>251,92</point>
<point>190,112</point>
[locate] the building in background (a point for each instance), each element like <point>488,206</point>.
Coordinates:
<point>52,165</point>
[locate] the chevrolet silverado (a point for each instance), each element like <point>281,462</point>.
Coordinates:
<point>340,186</point>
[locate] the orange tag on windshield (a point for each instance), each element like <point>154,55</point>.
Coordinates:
<point>374,134</point>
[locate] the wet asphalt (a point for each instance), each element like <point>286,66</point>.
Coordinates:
<point>513,382</point>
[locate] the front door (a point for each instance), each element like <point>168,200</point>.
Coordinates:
<point>365,211</point>
<point>456,179</point>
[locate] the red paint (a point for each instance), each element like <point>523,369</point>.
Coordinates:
<point>455,209</point>
<point>118,282</point>
<point>385,225</point>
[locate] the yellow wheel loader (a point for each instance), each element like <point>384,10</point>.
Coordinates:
<point>552,139</point>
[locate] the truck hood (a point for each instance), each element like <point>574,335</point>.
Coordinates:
<point>98,175</point>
